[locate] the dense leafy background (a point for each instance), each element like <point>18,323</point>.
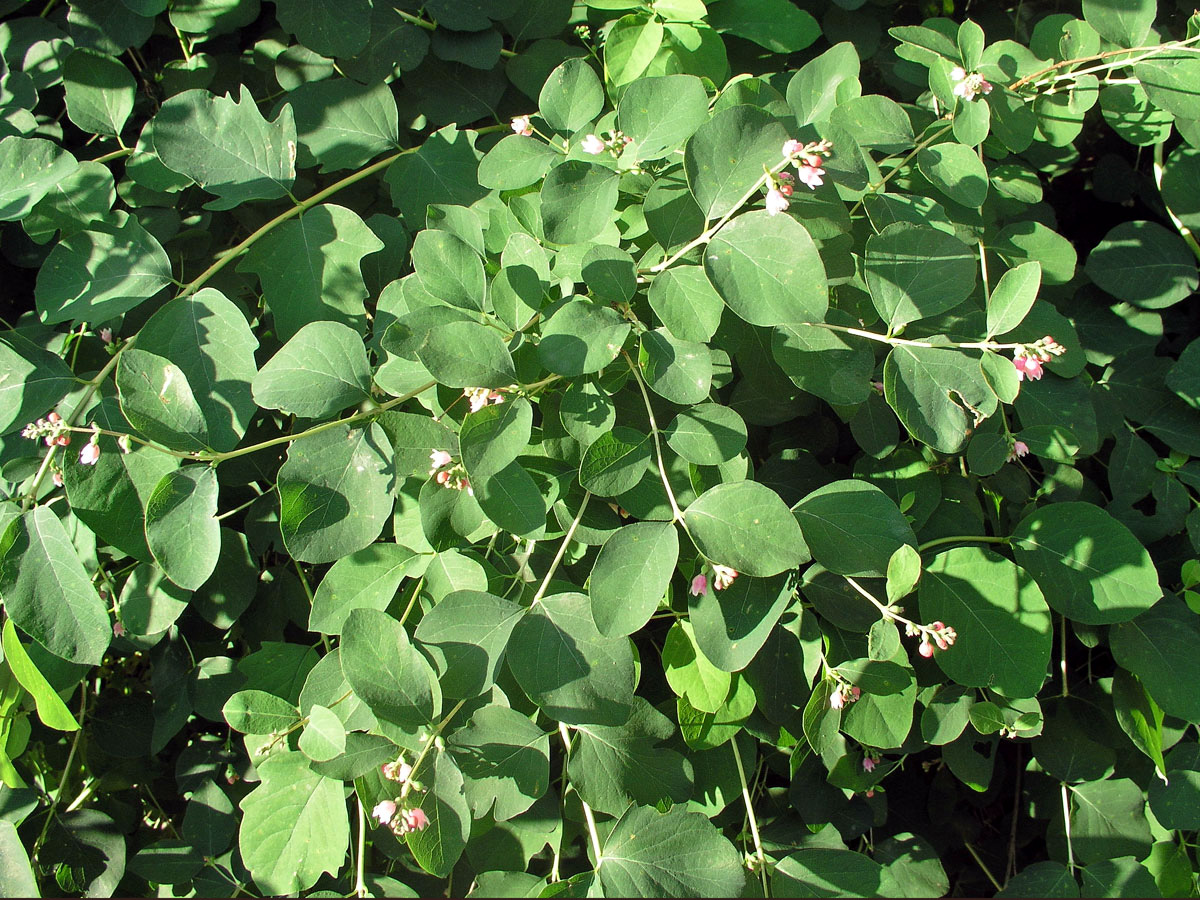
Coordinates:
<point>274,243</point>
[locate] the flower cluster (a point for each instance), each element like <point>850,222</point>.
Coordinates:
<point>480,397</point>
<point>614,143</point>
<point>935,633</point>
<point>56,433</point>
<point>807,159</point>
<point>843,694</point>
<point>722,577</point>
<point>968,85</point>
<point>1028,358</point>
<point>777,194</point>
<point>52,429</point>
<point>394,814</point>
<point>400,820</point>
<point>454,477</point>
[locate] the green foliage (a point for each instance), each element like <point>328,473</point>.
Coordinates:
<point>495,452</point>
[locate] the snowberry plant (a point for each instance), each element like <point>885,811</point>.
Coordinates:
<point>608,448</point>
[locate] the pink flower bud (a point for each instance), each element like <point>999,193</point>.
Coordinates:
<point>855,693</point>
<point>89,454</point>
<point>53,418</point>
<point>926,649</point>
<point>106,335</point>
<point>592,144</point>
<point>57,478</point>
<point>699,585</point>
<point>443,477</point>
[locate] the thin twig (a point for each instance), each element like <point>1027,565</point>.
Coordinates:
<point>562,548</point>
<point>758,848</point>
<point>676,512</point>
<point>982,865</point>
<point>1066,805</point>
<point>587,810</point>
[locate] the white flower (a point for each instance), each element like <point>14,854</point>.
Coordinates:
<point>592,144</point>
<point>438,458</point>
<point>776,202</point>
<point>723,576</point>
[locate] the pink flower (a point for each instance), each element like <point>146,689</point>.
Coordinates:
<point>791,147</point>
<point>89,454</point>
<point>968,85</point>
<point>592,144</point>
<point>438,458</point>
<point>57,477</point>
<point>118,629</point>
<point>926,648</point>
<point>398,770</point>
<point>106,335</point>
<point>384,811</point>
<point>521,125</point>
<point>837,699</point>
<point>810,175</point>
<point>1019,449</point>
<point>723,577</point>
<point>700,585</point>
<point>776,202</point>
<point>410,820</point>
<point>443,477</point>
<point>1027,367</point>
<point>855,693</point>
<point>868,764</point>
